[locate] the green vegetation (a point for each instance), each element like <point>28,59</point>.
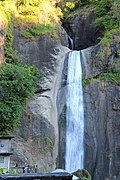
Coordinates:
<point>11,55</point>
<point>108,14</point>
<point>1,171</point>
<point>108,18</point>
<point>85,81</point>
<point>33,17</point>
<point>31,32</point>
<point>112,77</point>
<point>14,171</point>
<point>83,174</point>
<point>118,53</point>
<point>17,84</point>
<point>46,145</point>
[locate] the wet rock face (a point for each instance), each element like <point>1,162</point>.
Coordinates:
<point>82,30</point>
<point>102,123</point>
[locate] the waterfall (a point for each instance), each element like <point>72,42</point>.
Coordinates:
<point>70,42</point>
<point>74,115</point>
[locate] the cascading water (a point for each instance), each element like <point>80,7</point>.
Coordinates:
<point>74,115</point>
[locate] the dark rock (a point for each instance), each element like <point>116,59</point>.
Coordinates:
<point>62,139</point>
<point>81,28</point>
<point>101,130</point>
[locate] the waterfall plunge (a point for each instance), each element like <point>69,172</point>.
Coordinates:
<point>74,115</point>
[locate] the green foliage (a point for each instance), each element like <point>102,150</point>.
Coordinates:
<point>11,55</point>
<point>108,18</point>
<point>108,14</point>
<point>118,53</point>
<point>46,11</point>
<point>113,77</point>
<point>83,174</point>
<point>85,81</point>
<point>17,83</point>
<point>46,145</point>
<point>42,12</point>
<point>7,8</point>
<point>68,6</point>
<point>105,44</point>
<point>1,171</point>
<point>31,32</point>
<point>14,171</point>
<point>105,41</point>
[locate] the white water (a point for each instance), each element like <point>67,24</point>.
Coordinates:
<point>74,115</point>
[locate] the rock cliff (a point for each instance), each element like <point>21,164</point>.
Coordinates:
<point>36,141</point>
<point>81,28</point>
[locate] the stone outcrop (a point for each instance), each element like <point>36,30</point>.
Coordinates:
<point>81,28</point>
<point>36,141</point>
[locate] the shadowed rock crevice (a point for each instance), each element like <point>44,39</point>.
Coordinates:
<point>82,30</point>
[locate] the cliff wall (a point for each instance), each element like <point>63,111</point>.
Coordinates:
<point>101,97</point>
<point>36,141</point>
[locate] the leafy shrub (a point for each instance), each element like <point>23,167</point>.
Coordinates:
<point>107,14</point>
<point>17,84</point>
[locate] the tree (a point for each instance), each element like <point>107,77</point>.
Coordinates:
<point>48,12</point>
